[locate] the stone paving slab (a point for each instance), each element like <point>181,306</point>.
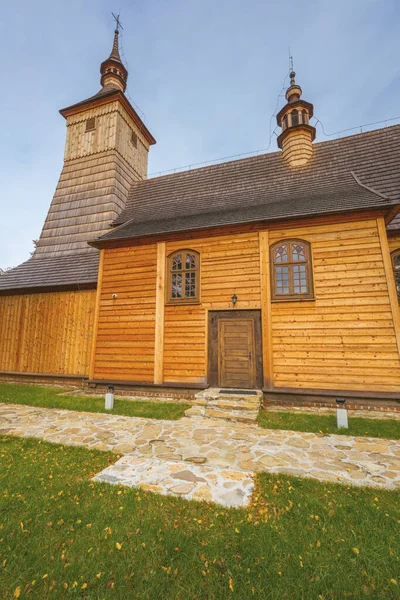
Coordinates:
<point>224,447</point>
<point>190,481</point>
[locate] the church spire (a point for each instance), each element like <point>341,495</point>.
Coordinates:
<point>115,49</point>
<point>113,72</point>
<point>297,134</point>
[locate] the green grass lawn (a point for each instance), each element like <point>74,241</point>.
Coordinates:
<point>63,536</point>
<point>37,395</point>
<point>327,424</point>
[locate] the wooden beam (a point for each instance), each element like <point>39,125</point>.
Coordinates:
<point>390,216</point>
<point>160,303</point>
<point>394,302</point>
<point>96,314</point>
<point>266,319</point>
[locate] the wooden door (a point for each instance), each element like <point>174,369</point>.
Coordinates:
<point>236,353</point>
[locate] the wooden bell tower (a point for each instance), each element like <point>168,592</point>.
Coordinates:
<point>297,134</point>
<point>106,152</point>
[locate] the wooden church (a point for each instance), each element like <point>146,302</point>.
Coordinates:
<point>278,272</point>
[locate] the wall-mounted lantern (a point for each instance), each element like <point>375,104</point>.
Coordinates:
<point>234,299</point>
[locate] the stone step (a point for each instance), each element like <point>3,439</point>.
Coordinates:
<point>244,397</point>
<point>243,416</point>
<point>212,404</point>
<point>223,485</point>
<point>229,404</point>
<point>195,411</point>
<point>216,412</point>
<point>236,398</point>
<point>199,402</point>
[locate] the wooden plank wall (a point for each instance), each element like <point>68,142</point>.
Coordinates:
<point>126,326</point>
<point>345,338</point>
<point>394,243</point>
<point>229,264</point>
<point>47,333</point>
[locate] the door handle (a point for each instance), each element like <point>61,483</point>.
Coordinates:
<point>250,355</point>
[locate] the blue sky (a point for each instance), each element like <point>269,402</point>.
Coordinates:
<point>205,73</point>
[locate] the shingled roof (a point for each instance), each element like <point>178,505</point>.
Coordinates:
<point>357,172</point>
<point>75,271</point>
<point>104,92</point>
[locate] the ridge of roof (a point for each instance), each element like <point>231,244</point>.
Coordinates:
<point>268,154</point>
<point>373,156</point>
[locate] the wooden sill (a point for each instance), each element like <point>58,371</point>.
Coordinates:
<point>276,300</point>
<point>181,302</point>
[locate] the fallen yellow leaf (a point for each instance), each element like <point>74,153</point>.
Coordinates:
<point>356,551</point>
<point>17,592</point>
<point>118,546</point>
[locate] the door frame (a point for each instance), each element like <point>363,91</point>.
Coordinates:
<point>214,316</point>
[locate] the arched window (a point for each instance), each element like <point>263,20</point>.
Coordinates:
<point>396,270</point>
<point>291,270</point>
<point>183,277</point>
<point>285,123</point>
<point>303,117</point>
<point>295,117</point>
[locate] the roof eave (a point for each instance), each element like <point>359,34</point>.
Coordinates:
<point>38,289</point>
<point>380,210</point>
<point>106,99</point>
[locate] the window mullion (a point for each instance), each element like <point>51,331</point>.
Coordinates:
<point>290,266</point>
<point>291,279</point>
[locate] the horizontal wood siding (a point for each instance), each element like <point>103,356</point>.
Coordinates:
<point>229,264</point>
<point>345,338</point>
<point>47,333</point>
<point>394,243</point>
<point>126,326</point>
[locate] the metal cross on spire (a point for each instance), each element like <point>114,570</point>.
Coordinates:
<point>117,21</point>
<point>290,60</point>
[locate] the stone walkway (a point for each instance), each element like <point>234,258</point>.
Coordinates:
<point>208,459</point>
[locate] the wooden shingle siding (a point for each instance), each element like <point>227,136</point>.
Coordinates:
<point>91,192</point>
<point>126,327</point>
<point>345,338</point>
<point>47,332</point>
